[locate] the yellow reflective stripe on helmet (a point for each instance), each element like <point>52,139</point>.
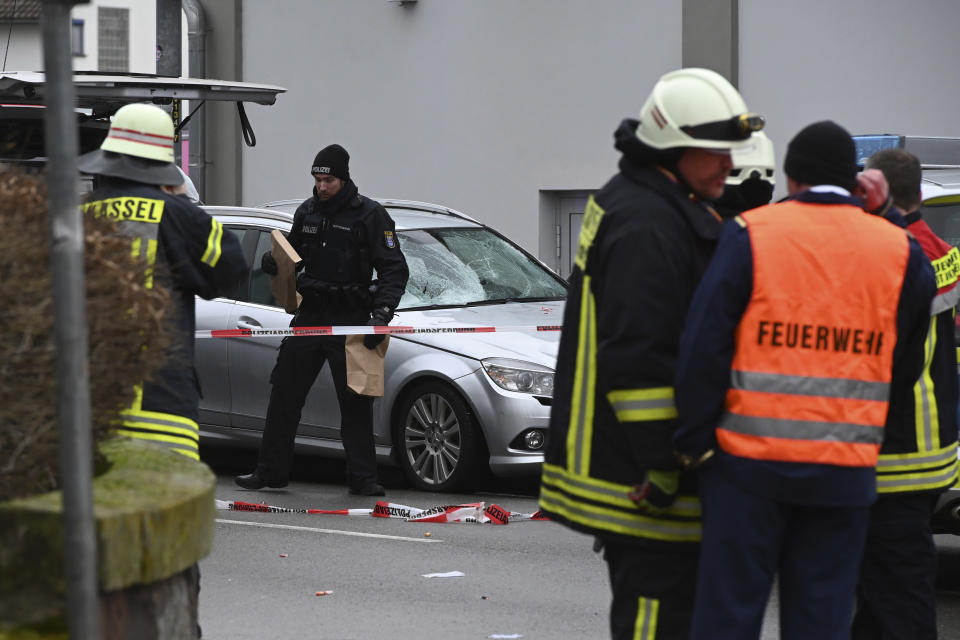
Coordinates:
<point>947,268</point>
<point>617,521</point>
<point>592,216</point>
<point>645,628</point>
<point>212,254</point>
<point>634,405</point>
<point>926,415</point>
<point>580,432</point>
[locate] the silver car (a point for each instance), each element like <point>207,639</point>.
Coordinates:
<point>453,402</point>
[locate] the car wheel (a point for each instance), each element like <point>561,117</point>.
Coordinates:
<point>437,438</point>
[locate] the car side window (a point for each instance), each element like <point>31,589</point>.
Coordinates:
<point>259,281</point>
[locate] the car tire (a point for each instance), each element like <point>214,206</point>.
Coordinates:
<point>437,438</point>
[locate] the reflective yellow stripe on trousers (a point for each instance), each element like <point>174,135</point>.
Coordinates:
<point>166,429</point>
<point>645,627</point>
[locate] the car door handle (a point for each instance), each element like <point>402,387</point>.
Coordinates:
<point>245,322</point>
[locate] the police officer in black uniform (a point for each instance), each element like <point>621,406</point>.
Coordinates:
<point>341,236</point>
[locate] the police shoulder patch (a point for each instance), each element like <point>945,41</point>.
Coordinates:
<point>389,240</point>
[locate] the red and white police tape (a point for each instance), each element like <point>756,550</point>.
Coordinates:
<point>476,512</point>
<point>366,330</point>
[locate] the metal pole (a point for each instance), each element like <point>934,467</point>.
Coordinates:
<point>196,38</point>
<point>70,324</point>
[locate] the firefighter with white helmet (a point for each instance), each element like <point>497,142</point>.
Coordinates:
<point>751,181</point>
<point>194,253</point>
<point>646,238</point>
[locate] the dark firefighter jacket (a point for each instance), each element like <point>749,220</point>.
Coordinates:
<point>707,351</point>
<point>341,241</point>
<point>922,456</point>
<point>194,256</point>
<point>643,246</point>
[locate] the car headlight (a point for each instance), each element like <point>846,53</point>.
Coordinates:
<point>516,375</point>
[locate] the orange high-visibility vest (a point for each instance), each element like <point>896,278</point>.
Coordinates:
<point>812,366</point>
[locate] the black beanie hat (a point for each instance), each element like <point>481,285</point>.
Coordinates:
<point>822,153</point>
<point>333,160</point>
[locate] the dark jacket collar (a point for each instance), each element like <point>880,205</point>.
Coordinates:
<point>701,217</point>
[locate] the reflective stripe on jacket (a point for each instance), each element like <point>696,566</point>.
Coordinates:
<point>644,243</point>
<point>924,457</point>
<point>812,366</point>
<point>193,255</point>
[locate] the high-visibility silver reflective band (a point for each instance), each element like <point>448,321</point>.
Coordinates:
<point>682,505</point>
<point>924,480</point>
<point>802,429</point>
<point>664,405</point>
<point>944,301</point>
<point>645,628</point>
<point>661,528</point>
<point>810,386</point>
<point>579,430</point>
<point>914,460</point>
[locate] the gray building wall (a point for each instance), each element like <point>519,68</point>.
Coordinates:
<point>874,66</point>
<point>505,109</point>
<point>475,105</point>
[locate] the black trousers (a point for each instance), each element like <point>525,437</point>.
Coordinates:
<point>653,591</point>
<point>298,364</point>
<point>896,597</point>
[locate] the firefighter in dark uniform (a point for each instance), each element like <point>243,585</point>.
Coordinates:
<point>896,594</point>
<point>647,236</point>
<point>341,237</point>
<point>195,255</point>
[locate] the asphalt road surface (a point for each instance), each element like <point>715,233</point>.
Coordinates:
<point>528,580</point>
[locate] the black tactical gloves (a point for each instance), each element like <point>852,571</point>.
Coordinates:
<point>379,317</point>
<point>268,264</point>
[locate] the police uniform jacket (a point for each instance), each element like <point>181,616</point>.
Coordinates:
<point>193,256</point>
<point>707,351</point>
<point>644,243</point>
<point>341,241</point>
<point>922,455</point>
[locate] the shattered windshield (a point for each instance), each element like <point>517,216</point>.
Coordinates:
<point>452,267</point>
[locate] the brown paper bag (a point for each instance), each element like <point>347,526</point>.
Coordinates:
<point>365,366</point>
<point>284,284</point>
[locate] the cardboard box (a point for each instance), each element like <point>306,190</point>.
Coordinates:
<point>284,284</point>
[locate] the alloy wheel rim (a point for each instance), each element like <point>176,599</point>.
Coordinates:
<point>432,438</point>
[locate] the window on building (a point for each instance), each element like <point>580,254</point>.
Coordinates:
<point>113,39</point>
<point>76,37</point>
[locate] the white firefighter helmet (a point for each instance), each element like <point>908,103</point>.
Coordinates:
<point>141,130</point>
<point>758,157</point>
<point>138,147</point>
<point>696,108</point>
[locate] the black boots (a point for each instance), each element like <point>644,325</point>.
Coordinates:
<point>372,489</point>
<point>254,481</point>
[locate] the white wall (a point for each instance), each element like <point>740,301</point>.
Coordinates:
<point>143,34</point>
<point>873,66</point>
<point>476,105</point>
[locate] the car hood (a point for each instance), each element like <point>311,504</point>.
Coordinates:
<point>539,347</point>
